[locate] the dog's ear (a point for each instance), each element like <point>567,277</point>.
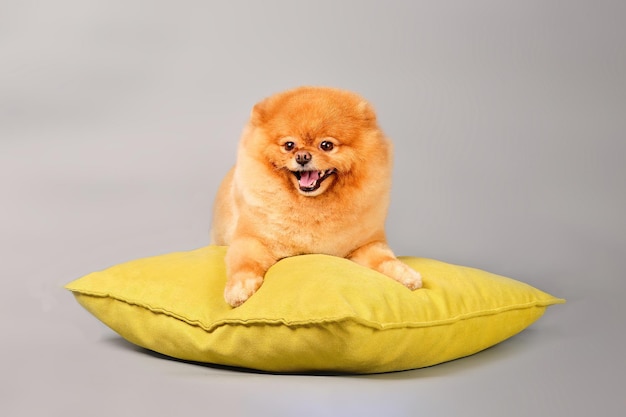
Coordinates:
<point>258,114</point>
<point>366,111</point>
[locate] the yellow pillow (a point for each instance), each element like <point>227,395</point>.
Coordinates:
<point>314,313</point>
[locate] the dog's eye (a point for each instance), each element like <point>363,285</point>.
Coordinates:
<point>289,146</point>
<point>326,146</point>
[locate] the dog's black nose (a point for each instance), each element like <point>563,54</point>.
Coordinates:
<point>303,157</point>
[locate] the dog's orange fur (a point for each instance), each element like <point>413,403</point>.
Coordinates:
<point>262,213</point>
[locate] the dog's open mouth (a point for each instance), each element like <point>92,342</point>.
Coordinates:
<point>309,181</point>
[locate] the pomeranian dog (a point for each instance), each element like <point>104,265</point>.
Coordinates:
<point>313,175</point>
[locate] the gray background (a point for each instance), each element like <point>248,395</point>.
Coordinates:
<point>119,118</point>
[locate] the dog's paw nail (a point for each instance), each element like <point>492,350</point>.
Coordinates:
<point>414,283</point>
<point>402,273</point>
<point>238,291</point>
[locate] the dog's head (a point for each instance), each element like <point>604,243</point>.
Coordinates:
<point>317,138</point>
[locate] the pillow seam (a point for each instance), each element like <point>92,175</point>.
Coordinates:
<point>329,320</point>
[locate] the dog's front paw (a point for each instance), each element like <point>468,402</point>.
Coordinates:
<point>240,287</point>
<point>402,273</point>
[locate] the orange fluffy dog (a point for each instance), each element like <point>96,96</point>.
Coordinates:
<point>313,175</point>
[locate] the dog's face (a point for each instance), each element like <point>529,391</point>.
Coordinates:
<point>317,138</point>
<point>309,161</point>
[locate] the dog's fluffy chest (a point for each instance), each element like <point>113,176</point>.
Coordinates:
<point>304,227</point>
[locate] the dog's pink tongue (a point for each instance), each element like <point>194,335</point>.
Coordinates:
<point>308,178</point>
